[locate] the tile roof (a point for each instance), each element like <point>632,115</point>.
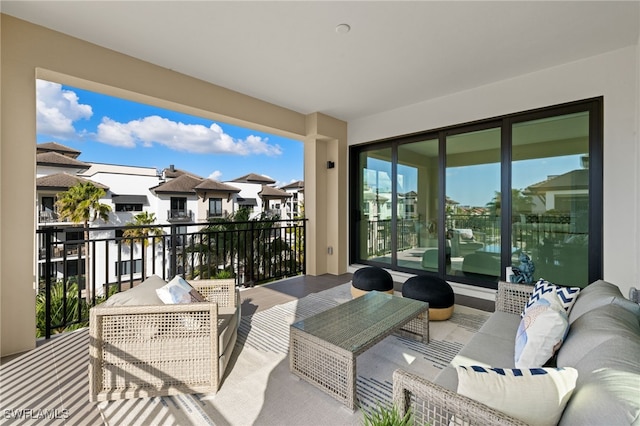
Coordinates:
<point>56,147</point>
<point>183,184</point>
<point>254,178</point>
<point>56,159</point>
<point>213,185</point>
<point>271,192</point>
<point>575,179</point>
<point>62,182</point>
<point>172,173</point>
<point>294,185</point>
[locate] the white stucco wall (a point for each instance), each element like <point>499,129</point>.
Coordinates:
<point>615,76</point>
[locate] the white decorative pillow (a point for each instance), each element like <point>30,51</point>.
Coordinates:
<point>178,290</point>
<point>541,332</point>
<point>536,396</point>
<point>566,295</point>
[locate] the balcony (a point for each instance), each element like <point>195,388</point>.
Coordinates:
<point>47,216</point>
<point>59,391</point>
<point>179,216</point>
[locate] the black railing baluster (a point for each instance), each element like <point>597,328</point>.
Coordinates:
<point>48,268</point>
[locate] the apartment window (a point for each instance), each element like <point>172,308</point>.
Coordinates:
<point>74,236</point>
<point>124,267</point>
<point>47,204</point>
<point>465,202</point>
<point>178,207</point>
<point>128,207</point>
<point>215,207</point>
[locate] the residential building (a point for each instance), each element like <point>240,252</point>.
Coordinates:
<point>173,196</point>
<point>294,206</point>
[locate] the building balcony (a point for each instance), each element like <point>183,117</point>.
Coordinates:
<point>179,216</point>
<point>59,392</point>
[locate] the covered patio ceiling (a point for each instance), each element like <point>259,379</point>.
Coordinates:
<point>295,55</point>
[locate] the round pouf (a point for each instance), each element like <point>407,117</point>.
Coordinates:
<point>371,278</point>
<point>437,292</point>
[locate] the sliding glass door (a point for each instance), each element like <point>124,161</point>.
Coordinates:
<point>417,193</point>
<point>550,201</point>
<point>374,214</point>
<point>466,202</point>
<point>473,213</point>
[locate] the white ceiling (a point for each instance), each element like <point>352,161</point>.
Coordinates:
<point>396,54</point>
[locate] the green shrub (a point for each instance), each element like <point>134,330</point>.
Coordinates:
<point>222,274</point>
<point>386,415</point>
<point>73,304</point>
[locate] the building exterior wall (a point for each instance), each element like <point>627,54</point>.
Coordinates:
<point>613,75</point>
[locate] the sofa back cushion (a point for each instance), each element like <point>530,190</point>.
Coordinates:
<point>607,390</point>
<point>595,328</point>
<point>600,293</point>
<point>142,294</point>
<point>603,345</point>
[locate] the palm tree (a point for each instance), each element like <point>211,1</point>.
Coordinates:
<point>520,202</point>
<point>140,228</point>
<point>81,204</point>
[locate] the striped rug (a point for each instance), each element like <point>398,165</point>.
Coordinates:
<point>259,389</point>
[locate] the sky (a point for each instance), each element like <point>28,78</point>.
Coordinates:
<point>111,130</point>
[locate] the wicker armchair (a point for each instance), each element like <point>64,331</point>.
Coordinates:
<point>435,405</point>
<point>154,350</point>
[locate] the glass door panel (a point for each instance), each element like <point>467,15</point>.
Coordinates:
<point>417,194</point>
<point>375,202</point>
<point>472,207</point>
<point>550,201</point>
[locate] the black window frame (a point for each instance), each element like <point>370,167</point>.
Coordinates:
<point>595,108</point>
<point>212,212</point>
<point>128,207</point>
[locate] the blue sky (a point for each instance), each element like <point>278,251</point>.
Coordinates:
<point>116,131</point>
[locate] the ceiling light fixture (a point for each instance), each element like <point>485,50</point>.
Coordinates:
<point>343,28</point>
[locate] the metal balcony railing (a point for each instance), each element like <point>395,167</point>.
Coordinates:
<point>179,215</point>
<point>74,275</point>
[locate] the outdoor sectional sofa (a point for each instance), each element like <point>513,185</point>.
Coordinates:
<point>602,345</point>
<point>141,347</point>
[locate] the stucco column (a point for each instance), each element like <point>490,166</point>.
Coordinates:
<point>325,195</point>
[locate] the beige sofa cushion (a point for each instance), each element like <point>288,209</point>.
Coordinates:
<point>142,294</point>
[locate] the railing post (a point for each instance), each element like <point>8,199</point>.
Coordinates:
<point>304,246</point>
<point>47,281</point>
<point>173,261</point>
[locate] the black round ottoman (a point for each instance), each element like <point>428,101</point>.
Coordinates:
<point>371,278</point>
<point>437,292</point>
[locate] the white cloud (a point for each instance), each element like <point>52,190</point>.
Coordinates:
<point>57,110</point>
<point>193,138</point>
<point>114,133</point>
<point>216,175</point>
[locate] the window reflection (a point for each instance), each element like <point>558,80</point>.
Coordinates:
<point>417,200</point>
<point>375,205</point>
<point>550,206</point>
<point>473,203</point>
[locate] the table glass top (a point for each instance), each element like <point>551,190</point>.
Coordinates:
<point>360,321</point>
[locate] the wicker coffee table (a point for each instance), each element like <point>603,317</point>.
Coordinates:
<point>323,348</point>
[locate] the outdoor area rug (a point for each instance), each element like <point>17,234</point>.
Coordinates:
<point>259,389</point>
